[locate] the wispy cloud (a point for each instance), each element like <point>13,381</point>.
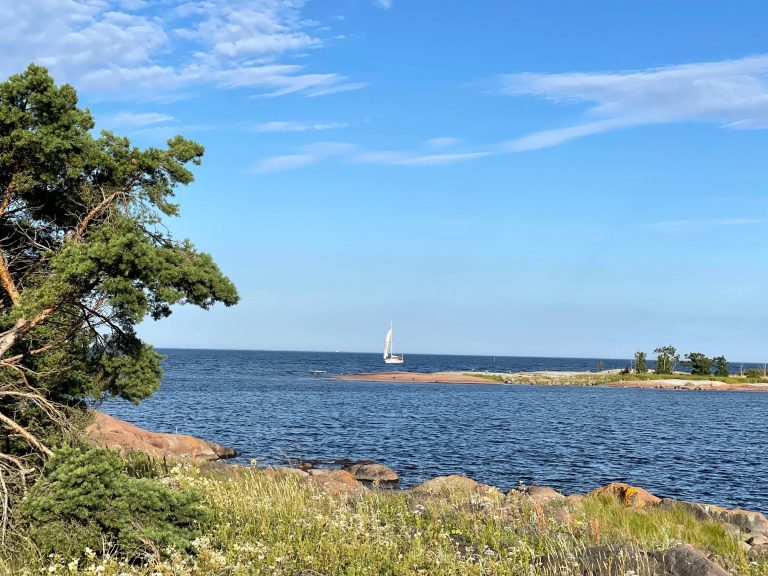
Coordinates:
<point>295,126</point>
<point>108,46</point>
<point>136,119</point>
<point>729,93</point>
<point>700,224</point>
<point>386,4</point>
<point>351,154</point>
<point>310,154</point>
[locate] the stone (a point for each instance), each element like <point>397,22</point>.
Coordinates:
<point>109,432</point>
<point>744,520</point>
<point>286,470</point>
<point>543,493</point>
<point>456,483</point>
<point>757,540</point>
<point>610,560</point>
<point>336,482</point>
<point>371,472</point>
<point>630,496</point>
<point>685,560</point>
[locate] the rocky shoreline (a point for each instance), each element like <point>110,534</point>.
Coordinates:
<point>345,478</point>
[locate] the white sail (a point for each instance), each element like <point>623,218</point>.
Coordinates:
<point>387,343</point>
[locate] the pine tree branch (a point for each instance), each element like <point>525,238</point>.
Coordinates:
<point>100,207</point>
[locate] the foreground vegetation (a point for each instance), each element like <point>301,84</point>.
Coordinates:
<point>281,524</point>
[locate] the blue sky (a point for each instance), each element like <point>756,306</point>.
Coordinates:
<point>505,178</point>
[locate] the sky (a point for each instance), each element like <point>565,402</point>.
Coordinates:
<point>528,177</point>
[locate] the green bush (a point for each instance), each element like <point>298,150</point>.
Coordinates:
<point>86,498</point>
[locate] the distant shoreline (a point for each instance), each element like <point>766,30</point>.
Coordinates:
<point>609,379</point>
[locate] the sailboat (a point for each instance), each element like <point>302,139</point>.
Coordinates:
<point>389,357</point>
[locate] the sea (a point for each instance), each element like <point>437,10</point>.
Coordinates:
<point>277,408</point>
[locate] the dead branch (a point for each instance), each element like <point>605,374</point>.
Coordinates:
<point>24,433</point>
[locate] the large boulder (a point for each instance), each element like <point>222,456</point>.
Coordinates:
<point>630,496</point>
<point>372,472</point>
<point>115,434</point>
<point>685,560</point>
<point>621,560</point>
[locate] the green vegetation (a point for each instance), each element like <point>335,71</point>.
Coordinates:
<point>720,365</point>
<point>667,359</point>
<point>640,364</point>
<point>85,256</point>
<point>274,524</point>
<point>86,499</point>
<point>591,379</point>
<point>700,364</point>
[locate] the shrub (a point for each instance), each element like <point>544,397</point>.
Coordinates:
<point>86,498</point>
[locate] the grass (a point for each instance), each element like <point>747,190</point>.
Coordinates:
<point>597,378</point>
<point>281,525</point>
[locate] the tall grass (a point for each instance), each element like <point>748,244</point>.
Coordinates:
<point>283,525</point>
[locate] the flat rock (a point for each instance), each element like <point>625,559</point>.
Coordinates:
<point>543,493</point>
<point>109,432</point>
<point>336,482</point>
<point>275,471</point>
<point>744,520</point>
<point>371,472</point>
<point>455,483</point>
<point>630,496</point>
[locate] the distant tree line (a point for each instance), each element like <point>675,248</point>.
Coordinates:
<point>667,361</point>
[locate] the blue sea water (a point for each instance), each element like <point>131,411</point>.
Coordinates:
<point>701,446</point>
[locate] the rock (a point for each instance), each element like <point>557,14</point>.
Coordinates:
<point>371,472</point>
<point>275,471</point>
<point>318,471</point>
<point>757,540</point>
<point>456,483</point>
<point>630,496</point>
<point>336,482</point>
<point>543,493</point>
<point>611,560</point>
<point>109,432</point>
<point>685,560</point>
<point>744,520</point>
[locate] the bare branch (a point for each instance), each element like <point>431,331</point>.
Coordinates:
<point>24,433</point>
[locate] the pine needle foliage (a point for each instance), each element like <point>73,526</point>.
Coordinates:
<point>86,500</point>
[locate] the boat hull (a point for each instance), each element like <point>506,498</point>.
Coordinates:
<point>394,360</point>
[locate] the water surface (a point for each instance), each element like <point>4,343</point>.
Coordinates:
<point>702,446</point>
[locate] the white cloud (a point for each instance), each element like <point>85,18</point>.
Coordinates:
<point>294,126</point>
<point>136,119</point>
<point>351,154</point>
<point>310,154</point>
<point>386,4</point>
<point>394,158</point>
<point>124,49</point>
<point>730,93</point>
